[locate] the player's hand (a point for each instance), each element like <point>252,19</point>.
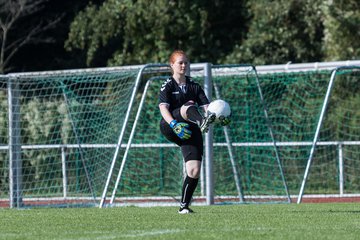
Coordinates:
<point>225,120</point>
<point>181,129</point>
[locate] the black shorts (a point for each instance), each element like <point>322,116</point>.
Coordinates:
<point>192,148</point>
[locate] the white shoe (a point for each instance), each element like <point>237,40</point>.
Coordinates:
<point>210,118</point>
<point>185,210</point>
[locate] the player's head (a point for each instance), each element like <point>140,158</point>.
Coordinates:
<point>178,61</point>
<point>176,54</point>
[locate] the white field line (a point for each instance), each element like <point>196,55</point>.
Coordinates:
<point>131,234</point>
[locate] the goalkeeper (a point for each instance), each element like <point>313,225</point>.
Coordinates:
<point>182,123</point>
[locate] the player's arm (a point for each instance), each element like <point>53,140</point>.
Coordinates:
<point>165,113</point>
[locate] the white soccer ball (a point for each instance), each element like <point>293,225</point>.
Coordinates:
<point>220,107</point>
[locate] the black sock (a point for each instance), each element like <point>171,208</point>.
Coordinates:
<point>194,115</point>
<point>188,189</point>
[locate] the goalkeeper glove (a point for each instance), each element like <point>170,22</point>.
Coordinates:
<point>181,129</point>
<point>224,120</point>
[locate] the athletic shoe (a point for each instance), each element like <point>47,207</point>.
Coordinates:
<point>210,118</point>
<point>185,210</point>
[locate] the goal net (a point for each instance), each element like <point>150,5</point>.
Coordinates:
<point>246,153</point>
<point>91,137</point>
<point>59,132</point>
<point>336,142</point>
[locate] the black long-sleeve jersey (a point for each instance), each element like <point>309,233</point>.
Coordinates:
<point>175,97</point>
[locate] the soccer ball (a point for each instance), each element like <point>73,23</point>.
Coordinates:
<point>221,109</point>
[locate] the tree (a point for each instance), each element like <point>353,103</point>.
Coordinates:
<point>342,34</point>
<point>142,31</point>
<point>281,31</point>
<point>16,30</point>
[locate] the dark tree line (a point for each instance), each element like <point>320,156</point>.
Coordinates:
<point>33,32</point>
<point>56,34</point>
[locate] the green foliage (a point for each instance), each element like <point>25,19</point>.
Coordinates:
<point>135,32</point>
<point>93,27</point>
<point>39,126</point>
<point>342,122</point>
<point>258,32</point>
<point>341,21</point>
<point>281,31</point>
<point>3,141</point>
<point>3,118</point>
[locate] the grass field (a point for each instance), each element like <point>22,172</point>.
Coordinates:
<point>278,221</point>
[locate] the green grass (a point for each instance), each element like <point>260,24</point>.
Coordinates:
<point>278,221</point>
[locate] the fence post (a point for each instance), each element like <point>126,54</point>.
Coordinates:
<point>15,164</point>
<point>341,170</point>
<point>63,167</point>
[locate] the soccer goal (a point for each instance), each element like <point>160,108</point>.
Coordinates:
<point>246,153</point>
<point>341,117</point>
<point>61,131</point>
<point>91,137</point>
<point>315,124</point>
